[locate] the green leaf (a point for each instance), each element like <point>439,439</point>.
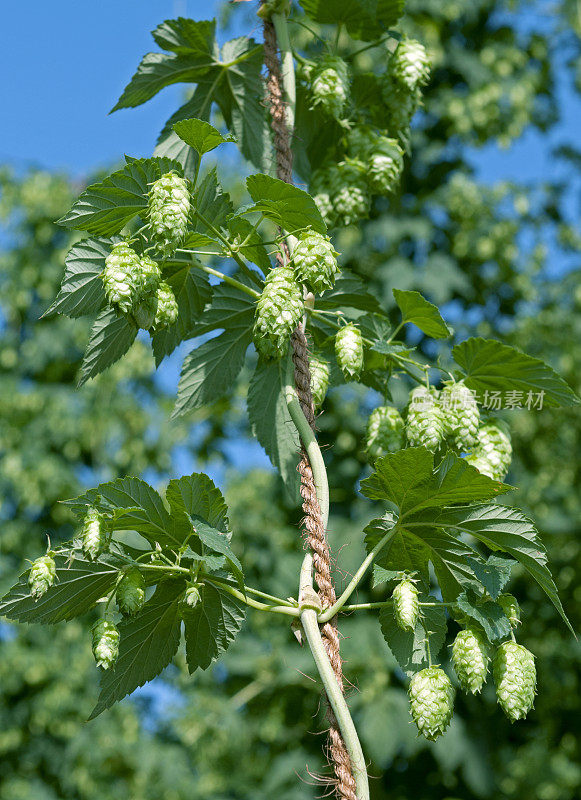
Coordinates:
<point>147,643</point>
<point>169,143</point>
<point>218,542</point>
<point>271,421</point>
<point>111,337</point>
<point>486,613</point>
<point>254,250</point>
<point>288,206</point>
<point>200,135</point>
<point>348,292</point>
<point>490,366</point>
<point>425,315</point>
<point>82,289</point>
<point>184,35</point>
<point>212,202</point>
<point>410,648</point>
<point>200,498</point>
<point>77,588</point>
<point>364,19</point>
<point>507,530</point>
<point>106,207</point>
<point>493,574</point>
<point>210,370</point>
<point>211,626</point>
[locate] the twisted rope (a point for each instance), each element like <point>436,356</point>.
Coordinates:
<point>313,522</point>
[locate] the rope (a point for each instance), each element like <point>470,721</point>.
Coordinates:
<point>313,523</point>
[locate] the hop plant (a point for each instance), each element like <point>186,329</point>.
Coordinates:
<point>105,643</point>
<point>278,311</point>
<point>400,105</point>
<point>470,659</point>
<point>315,261</point>
<point>460,414</point>
<point>515,676</point>
<point>511,608</point>
<point>493,451</point>
<point>406,607</point>
<point>385,165</point>
<point>330,85</point>
<point>320,372</point>
<point>410,64</point>
<point>324,183</point>
<point>361,141</point>
<point>130,594</point>
<point>166,312</point>
<point>432,701</point>
<point>192,596</point>
<point>145,311</point>
<point>425,424</point>
<point>122,277</point>
<point>42,576</point>
<point>349,350</point>
<point>168,210</point>
<point>385,432</point>
<point>149,276</point>
<point>94,538</point>
<point>350,195</point>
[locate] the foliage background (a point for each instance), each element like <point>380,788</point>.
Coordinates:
<point>488,235</point>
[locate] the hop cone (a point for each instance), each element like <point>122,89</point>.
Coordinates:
<point>432,701</point>
<point>130,595</point>
<point>385,165</point>
<point>192,596</point>
<point>105,643</point>
<point>511,608</point>
<point>349,192</point>
<point>406,606</point>
<point>361,141</point>
<point>122,277</point>
<point>400,106</point>
<point>278,311</point>
<point>330,85</point>
<point>320,371</point>
<point>461,415</point>
<point>493,451</point>
<point>166,308</point>
<point>323,184</point>
<point>515,677</point>
<point>42,576</point>
<point>145,311</point>
<point>470,659</point>
<point>385,432</point>
<point>410,64</point>
<point>349,350</point>
<point>315,261</point>
<point>168,209</point>
<point>425,425</point>
<point>149,276</point>
<point>94,537</point>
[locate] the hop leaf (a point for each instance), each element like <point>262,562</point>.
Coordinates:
<point>42,576</point>
<point>432,701</point>
<point>349,350</point>
<point>122,277</point>
<point>410,64</point>
<point>168,209</point>
<point>425,424</point>
<point>130,594</point>
<point>94,538</point>
<point>330,85</point>
<point>406,607</point>
<point>166,307</point>
<point>460,414</point>
<point>144,313</point>
<point>385,164</point>
<point>278,311</point>
<point>320,372</point>
<point>515,676</point>
<point>105,643</point>
<point>385,432</point>
<point>493,451</point>
<point>511,608</point>
<point>470,659</point>
<point>315,261</point>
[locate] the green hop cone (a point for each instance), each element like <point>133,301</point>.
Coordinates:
<point>105,643</point>
<point>385,164</point>
<point>511,608</point>
<point>192,596</point>
<point>349,351</point>
<point>410,64</point>
<point>168,210</point>
<point>130,594</point>
<point>323,183</point>
<point>425,424</point>
<point>492,453</point>
<point>432,701</point>
<point>278,311</point>
<point>122,277</point>
<point>400,105</point>
<point>315,261</point>
<point>320,371</point>
<point>361,141</point>
<point>461,415</point>
<point>470,659</point>
<point>149,276</point>
<point>166,307</point>
<point>349,192</point>
<point>385,432</point>
<point>330,86</point>
<point>41,576</point>
<point>515,676</point>
<point>406,607</point>
<point>94,536</point>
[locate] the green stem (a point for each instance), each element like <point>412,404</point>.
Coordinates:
<point>232,253</point>
<point>383,604</point>
<point>226,278</point>
<point>249,590</point>
<point>288,68</point>
<point>290,611</point>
